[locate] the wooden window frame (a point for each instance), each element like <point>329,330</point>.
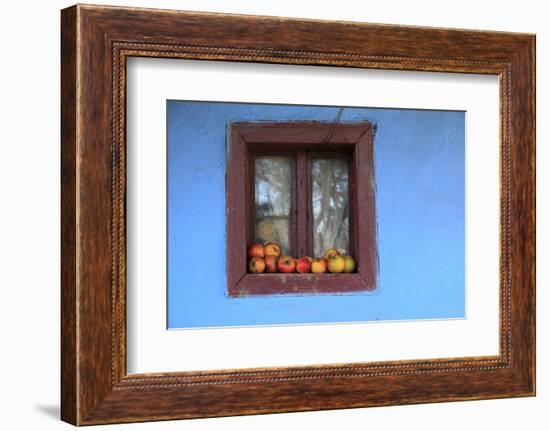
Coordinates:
<point>96,386</point>
<point>246,141</point>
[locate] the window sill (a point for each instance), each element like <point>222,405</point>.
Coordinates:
<point>299,284</point>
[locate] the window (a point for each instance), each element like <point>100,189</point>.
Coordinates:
<point>329,204</point>
<point>307,186</point>
<point>274,214</point>
<point>305,208</point>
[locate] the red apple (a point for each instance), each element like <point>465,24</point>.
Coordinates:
<point>271,263</point>
<point>256,265</point>
<point>303,265</point>
<point>255,250</point>
<point>319,266</point>
<point>286,264</point>
<point>272,249</point>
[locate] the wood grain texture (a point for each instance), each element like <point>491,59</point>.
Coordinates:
<point>69,364</point>
<point>301,194</point>
<point>363,207</point>
<point>237,236</point>
<point>96,41</point>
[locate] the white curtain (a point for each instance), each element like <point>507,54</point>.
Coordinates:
<point>329,179</point>
<point>274,200</point>
<point>330,205</point>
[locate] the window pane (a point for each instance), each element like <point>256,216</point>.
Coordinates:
<point>330,204</point>
<point>273,179</point>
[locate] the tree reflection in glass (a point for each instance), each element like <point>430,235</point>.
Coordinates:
<point>273,184</point>
<point>330,205</point>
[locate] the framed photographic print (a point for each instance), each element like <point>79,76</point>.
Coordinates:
<point>265,215</point>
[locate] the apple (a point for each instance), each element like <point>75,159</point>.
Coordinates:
<point>336,264</point>
<point>286,264</point>
<point>349,264</point>
<point>319,266</point>
<point>303,265</point>
<point>255,250</point>
<point>271,263</point>
<point>331,252</point>
<point>256,265</point>
<point>272,249</point>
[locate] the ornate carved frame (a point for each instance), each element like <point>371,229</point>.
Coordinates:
<point>96,41</point>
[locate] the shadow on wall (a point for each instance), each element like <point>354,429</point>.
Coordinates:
<point>51,411</point>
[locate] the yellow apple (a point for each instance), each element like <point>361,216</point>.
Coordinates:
<point>272,249</point>
<point>331,252</point>
<point>349,264</point>
<point>256,265</point>
<point>319,266</point>
<point>336,264</point>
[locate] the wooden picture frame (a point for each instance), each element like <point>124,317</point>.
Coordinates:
<point>96,41</point>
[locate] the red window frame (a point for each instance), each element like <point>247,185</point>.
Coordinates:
<point>246,141</point>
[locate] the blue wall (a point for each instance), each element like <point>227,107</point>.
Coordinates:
<point>420,178</point>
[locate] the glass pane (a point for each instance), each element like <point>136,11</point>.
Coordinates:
<point>330,203</point>
<point>273,200</point>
